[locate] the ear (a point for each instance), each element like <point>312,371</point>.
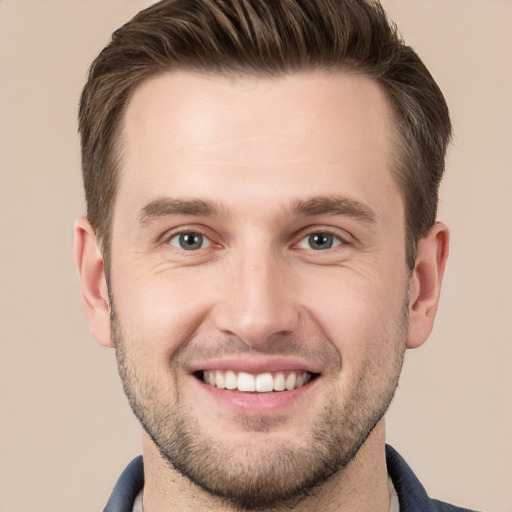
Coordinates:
<point>425,285</point>
<point>93,284</point>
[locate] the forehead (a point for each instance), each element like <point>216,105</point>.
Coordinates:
<point>189,134</point>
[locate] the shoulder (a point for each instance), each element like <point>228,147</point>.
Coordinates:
<point>411,494</point>
<point>127,488</point>
<point>441,506</point>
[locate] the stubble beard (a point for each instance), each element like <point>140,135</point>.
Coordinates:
<point>273,474</point>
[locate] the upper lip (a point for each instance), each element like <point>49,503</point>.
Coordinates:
<point>254,366</point>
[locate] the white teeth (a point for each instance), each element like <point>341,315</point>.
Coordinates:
<point>264,383</point>
<point>246,382</point>
<point>219,378</point>
<point>230,380</point>
<point>279,382</point>
<point>261,383</point>
<point>290,382</point>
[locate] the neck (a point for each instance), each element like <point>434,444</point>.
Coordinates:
<point>362,486</point>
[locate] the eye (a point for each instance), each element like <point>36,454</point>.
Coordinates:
<point>319,241</point>
<point>189,241</point>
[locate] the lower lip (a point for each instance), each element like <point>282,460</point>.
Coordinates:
<point>256,403</point>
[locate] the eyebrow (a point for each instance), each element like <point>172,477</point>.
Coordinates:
<point>167,207</point>
<point>320,205</point>
<point>334,205</point>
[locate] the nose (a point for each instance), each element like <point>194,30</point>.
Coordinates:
<point>258,298</point>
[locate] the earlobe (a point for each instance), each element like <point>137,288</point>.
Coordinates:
<point>425,285</point>
<point>93,285</point>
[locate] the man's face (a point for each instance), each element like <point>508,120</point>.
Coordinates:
<point>258,241</point>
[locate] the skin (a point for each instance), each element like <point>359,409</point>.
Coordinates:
<point>256,292</point>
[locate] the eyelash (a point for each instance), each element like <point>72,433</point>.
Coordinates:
<point>336,239</point>
<point>305,235</point>
<point>188,232</point>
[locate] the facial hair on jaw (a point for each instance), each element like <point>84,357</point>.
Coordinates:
<point>268,476</point>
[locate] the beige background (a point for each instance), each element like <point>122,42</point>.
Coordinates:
<point>65,429</point>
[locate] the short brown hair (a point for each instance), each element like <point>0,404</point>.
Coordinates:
<point>266,38</point>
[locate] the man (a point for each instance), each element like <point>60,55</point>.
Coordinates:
<point>261,248</point>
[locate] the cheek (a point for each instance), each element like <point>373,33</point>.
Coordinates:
<point>159,313</point>
<point>359,315</point>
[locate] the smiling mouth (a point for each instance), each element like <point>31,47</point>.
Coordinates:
<point>260,383</point>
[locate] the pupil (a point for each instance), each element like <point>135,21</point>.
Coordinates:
<point>190,241</point>
<point>321,241</point>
